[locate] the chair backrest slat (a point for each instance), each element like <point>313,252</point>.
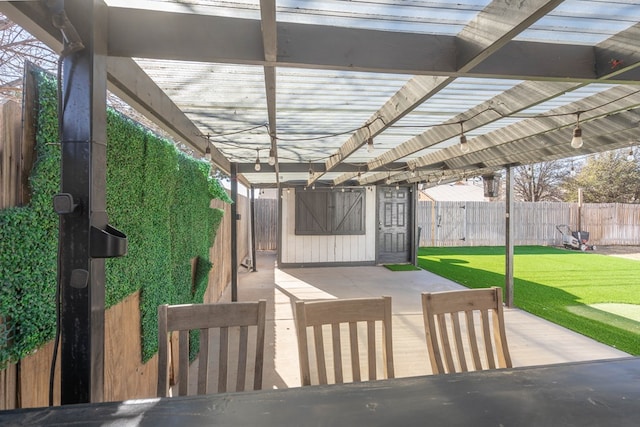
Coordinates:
<point>355,351</point>
<point>259,356</point>
<point>454,353</point>
<point>242,357</point>
<point>486,333</point>
<point>348,312</point>
<point>371,340</point>
<point>473,340</point>
<point>227,319</point>
<point>203,368</point>
<point>320,359</point>
<point>457,334</point>
<point>337,353</point>
<point>183,367</point>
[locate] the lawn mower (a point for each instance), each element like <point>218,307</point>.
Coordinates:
<point>575,239</point>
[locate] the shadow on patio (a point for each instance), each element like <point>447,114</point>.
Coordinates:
<point>532,341</point>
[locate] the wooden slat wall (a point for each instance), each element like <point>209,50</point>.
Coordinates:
<point>612,223</point>
<point>328,248</point>
<point>11,165</point>
<point>482,223</point>
<point>12,178</point>
<point>220,253</point>
<point>266,224</point>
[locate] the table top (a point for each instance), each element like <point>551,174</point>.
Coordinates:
<point>599,393</point>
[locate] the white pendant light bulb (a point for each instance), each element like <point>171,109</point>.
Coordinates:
<point>257,167</point>
<point>272,158</point>
<point>576,141</point>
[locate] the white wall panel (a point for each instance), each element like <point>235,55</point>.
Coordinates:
<point>327,249</point>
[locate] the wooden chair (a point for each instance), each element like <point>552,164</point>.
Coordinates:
<point>206,317</point>
<point>445,330</point>
<point>315,314</point>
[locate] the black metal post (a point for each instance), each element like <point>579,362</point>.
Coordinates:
<point>234,232</point>
<point>83,183</point>
<point>253,229</point>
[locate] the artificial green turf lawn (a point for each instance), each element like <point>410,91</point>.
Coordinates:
<point>556,284</point>
<point>401,267</point>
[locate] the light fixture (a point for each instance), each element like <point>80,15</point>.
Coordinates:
<point>572,172</point>
<point>413,173</point>
<point>491,184</point>
<point>388,180</point>
<point>313,187</point>
<point>311,172</point>
<point>272,158</point>
<point>630,156</point>
<point>397,186</point>
<point>370,145</point>
<point>207,151</point>
<point>257,167</point>
<point>576,141</point>
<point>464,146</point>
<point>342,190</point>
<point>369,141</point>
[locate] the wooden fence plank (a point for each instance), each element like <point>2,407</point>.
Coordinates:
<point>482,223</point>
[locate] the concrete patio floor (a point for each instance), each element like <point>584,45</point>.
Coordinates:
<point>532,341</point>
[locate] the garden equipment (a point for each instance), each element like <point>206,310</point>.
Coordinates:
<point>575,239</point>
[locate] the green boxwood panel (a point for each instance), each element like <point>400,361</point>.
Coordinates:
<point>156,195</point>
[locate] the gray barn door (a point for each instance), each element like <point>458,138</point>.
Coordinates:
<point>394,222</point>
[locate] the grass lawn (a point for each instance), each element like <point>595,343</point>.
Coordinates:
<point>583,291</point>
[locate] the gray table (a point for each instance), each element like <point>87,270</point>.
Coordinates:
<point>602,393</point>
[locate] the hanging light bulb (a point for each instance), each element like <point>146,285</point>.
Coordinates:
<point>207,150</point>
<point>313,187</point>
<point>576,141</point>
<point>257,167</point>
<point>370,145</point>
<point>413,173</point>
<point>369,141</point>
<point>464,146</point>
<point>397,186</point>
<point>272,158</point>
<point>311,172</point>
<point>573,170</point>
<point>630,157</point>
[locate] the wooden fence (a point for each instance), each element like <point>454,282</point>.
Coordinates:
<point>15,162</point>
<point>266,213</point>
<point>483,223</point>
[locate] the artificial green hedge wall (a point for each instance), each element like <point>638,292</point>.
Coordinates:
<point>156,195</point>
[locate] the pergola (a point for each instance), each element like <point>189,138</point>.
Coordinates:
<point>312,83</point>
<point>434,90</point>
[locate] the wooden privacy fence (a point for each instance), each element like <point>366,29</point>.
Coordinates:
<point>266,215</point>
<point>483,223</point>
